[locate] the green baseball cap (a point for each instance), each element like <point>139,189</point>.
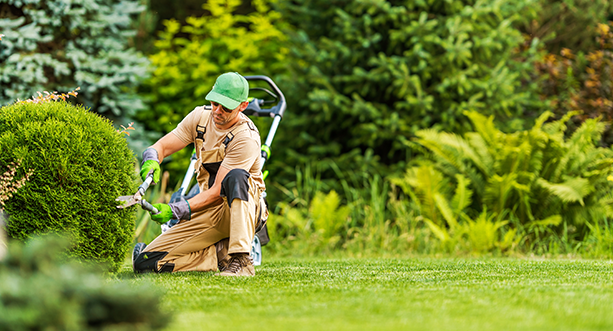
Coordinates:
<point>230,90</point>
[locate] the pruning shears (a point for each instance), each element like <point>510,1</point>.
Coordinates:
<point>137,198</point>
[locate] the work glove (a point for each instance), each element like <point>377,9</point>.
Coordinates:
<point>150,163</point>
<point>176,210</point>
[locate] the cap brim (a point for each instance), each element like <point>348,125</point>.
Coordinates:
<point>223,100</point>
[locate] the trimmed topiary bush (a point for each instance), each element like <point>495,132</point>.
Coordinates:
<point>79,165</point>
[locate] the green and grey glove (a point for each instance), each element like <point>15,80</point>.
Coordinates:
<point>150,163</point>
<point>176,210</point>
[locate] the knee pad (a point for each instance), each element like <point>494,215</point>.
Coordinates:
<point>235,185</point>
<point>148,261</point>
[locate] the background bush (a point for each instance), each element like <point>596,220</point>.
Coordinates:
<point>79,164</point>
<point>59,45</point>
<point>372,73</point>
<point>41,290</point>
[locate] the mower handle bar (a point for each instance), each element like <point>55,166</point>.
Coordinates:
<point>254,107</point>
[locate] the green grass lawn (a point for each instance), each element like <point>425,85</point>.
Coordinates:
<point>393,294</point>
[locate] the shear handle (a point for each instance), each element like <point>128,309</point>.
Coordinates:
<point>145,185</point>
<point>149,207</point>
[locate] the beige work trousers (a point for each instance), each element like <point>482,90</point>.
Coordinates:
<point>190,245</point>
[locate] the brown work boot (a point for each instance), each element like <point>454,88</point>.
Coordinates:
<point>223,258</point>
<point>240,265</point>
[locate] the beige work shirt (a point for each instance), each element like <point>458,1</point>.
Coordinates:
<point>243,152</point>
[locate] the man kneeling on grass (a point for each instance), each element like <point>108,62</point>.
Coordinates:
<point>216,226</point>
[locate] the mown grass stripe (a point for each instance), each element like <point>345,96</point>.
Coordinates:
<point>392,294</point>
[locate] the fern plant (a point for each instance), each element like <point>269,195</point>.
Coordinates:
<point>545,181</point>
<point>328,216</point>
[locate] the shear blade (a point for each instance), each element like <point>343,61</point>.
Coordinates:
<point>128,200</point>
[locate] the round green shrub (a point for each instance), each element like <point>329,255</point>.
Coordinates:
<point>80,165</point>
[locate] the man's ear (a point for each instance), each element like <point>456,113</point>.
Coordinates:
<point>244,105</point>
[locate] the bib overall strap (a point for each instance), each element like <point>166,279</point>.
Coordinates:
<point>200,131</point>
<point>242,127</point>
<point>201,126</point>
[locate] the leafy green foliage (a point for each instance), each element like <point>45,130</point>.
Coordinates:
<point>600,241</point>
<point>361,222</point>
<point>482,233</point>
<point>372,73</point>
<point>444,210</point>
<point>41,290</point>
<point>328,217</point>
<point>547,187</point>
<point>79,165</point>
<point>320,227</point>
<point>177,10</point>
<point>58,45</point>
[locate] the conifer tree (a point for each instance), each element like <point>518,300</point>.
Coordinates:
<point>59,45</point>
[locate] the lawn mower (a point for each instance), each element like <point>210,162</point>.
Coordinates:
<point>272,104</point>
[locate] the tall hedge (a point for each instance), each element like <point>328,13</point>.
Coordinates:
<point>57,45</point>
<point>371,73</point>
<point>79,165</point>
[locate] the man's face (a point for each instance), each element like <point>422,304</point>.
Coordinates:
<point>223,116</point>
